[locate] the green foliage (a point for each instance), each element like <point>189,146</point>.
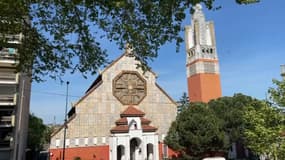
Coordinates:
<point>62,36</point>
<point>183,102</point>
<point>201,128</point>
<point>230,110</point>
<point>38,133</point>
<point>277,94</point>
<point>263,129</point>
<point>196,131</point>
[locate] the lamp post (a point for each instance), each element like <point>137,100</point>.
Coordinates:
<point>283,71</point>
<point>65,120</point>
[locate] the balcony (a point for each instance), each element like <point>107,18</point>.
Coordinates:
<point>8,100</point>
<point>4,143</point>
<point>6,138</point>
<point>7,121</point>
<point>8,57</point>
<point>13,38</point>
<point>9,77</point>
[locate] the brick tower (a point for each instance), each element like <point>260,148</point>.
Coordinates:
<point>203,76</point>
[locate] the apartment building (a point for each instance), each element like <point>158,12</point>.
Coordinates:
<point>14,102</point>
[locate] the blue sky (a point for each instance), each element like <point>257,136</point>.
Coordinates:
<point>251,48</point>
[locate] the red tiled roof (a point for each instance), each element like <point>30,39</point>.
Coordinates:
<point>120,129</point>
<point>145,121</point>
<point>132,112</point>
<point>122,121</point>
<point>147,128</point>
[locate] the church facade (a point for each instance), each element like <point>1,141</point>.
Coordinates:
<point>124,115</point>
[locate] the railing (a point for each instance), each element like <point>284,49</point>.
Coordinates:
<point>6,121</point>
<point>6,77</point>
<point>12,38</point>
<point>8,54</point>
<point>8,99</point>
<point>4,143</point>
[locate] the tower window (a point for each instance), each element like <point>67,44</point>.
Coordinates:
<point>133,124</point>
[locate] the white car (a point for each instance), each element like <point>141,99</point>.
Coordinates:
<point>214,158</point>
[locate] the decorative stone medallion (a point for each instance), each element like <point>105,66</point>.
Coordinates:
<point>129,87</point>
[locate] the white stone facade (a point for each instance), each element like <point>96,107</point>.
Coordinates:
<point>200,45</point>
<point>97,111</point>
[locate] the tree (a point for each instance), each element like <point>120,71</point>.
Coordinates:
<point>212,127</point>
<point>183,102</point>
<point>38,134</point>
<point>61,35</point>
<point>263,130</point>
<point>196,132</point>
<point>277,94</point>
<point>230,110</point>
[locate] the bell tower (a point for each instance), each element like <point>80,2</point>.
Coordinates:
<point>203,76</point>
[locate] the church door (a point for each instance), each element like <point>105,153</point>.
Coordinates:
<point>149,149</point>
<point>120,152</point>
<point>135,149</point>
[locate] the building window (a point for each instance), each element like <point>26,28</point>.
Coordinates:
<point>57,142</point>
<point>133,124</point>
<point>165,149</point>
<point>86,141</point>
<point>95,140</point>
<point>76,141</point>
<point>67,142</point>
<point>103,140</point>
<point>162,137</point>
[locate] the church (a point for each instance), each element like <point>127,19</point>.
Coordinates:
<point>125,114</point>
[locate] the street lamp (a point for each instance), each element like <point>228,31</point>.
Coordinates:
<point>65,120</point>
<point>283,70</point>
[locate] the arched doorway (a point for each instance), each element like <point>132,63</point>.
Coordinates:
<point>120,152</point>
<point>135,149</point>
<point>149,149</point>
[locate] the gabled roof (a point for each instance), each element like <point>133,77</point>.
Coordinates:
<point>145,121</point>
<point>132,112</point>
<point>120,129</point>
<point>147,128</point>
<point>94,85</point>
<point>97,80</point>
<point>122,125</point>
<point>116,60</point>
<point>62,126</point>
<point>166,94</point>
<point>122,121</point>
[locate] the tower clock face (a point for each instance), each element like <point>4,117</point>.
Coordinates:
<point>129,88</point>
